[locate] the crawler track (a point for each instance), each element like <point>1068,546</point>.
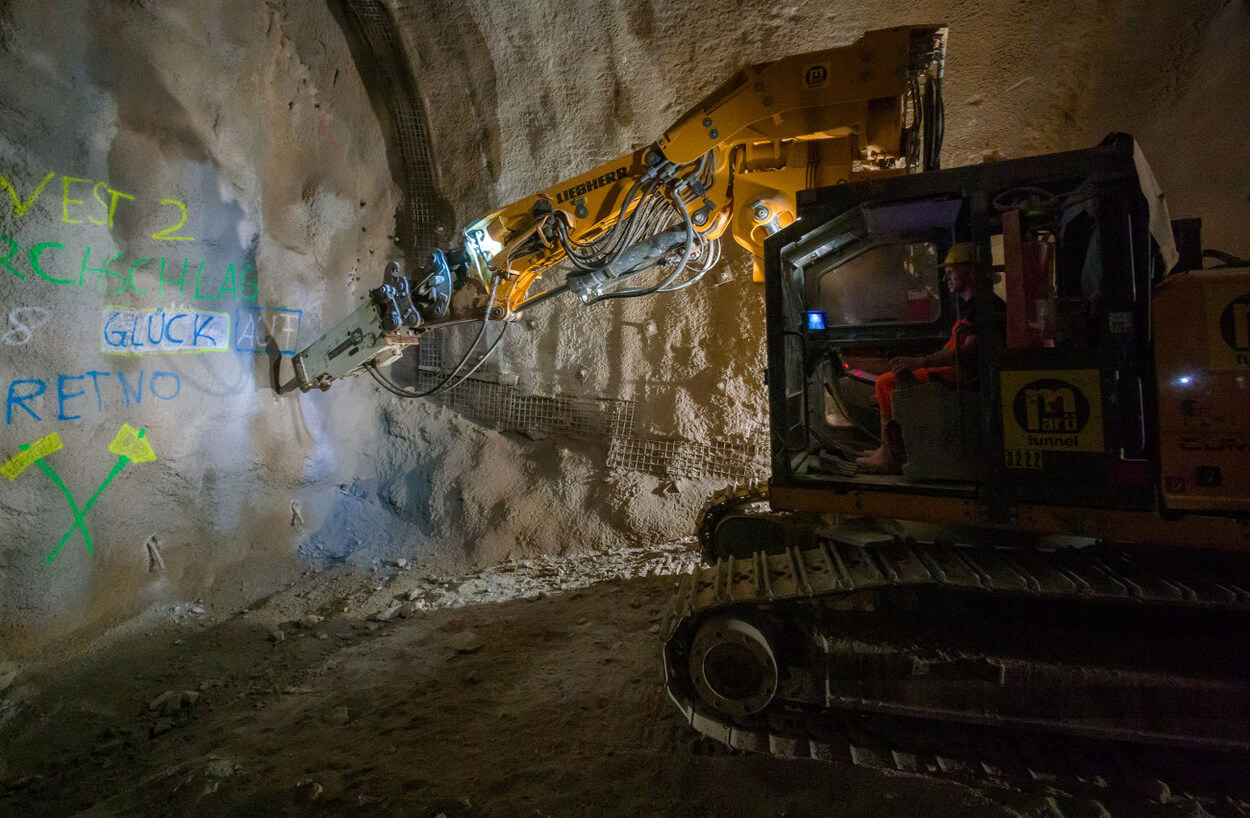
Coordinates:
<point>1087,668</point>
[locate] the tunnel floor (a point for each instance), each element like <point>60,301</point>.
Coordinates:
<point>547,701</point>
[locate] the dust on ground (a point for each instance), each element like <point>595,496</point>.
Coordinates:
<point>531,688</point>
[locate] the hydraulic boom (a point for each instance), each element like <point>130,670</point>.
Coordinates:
<point>735,162</point>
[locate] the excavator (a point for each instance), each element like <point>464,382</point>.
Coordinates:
<point>1062,561</point>
<point>1059,573</point>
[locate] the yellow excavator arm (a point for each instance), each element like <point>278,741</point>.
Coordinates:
<point>735,162</point>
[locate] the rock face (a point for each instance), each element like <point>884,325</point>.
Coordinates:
<point>199,178</point>
<point>213,178</point>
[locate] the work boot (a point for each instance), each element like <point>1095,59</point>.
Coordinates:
<point>888,457</point>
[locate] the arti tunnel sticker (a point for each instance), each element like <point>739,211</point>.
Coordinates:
<point>816,76</point>
<point>1235,332</point>
<point>1052,410</point>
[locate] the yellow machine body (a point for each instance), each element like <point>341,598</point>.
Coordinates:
<point>1202,359</point>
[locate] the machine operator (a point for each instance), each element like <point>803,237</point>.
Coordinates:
<point>948,364</point>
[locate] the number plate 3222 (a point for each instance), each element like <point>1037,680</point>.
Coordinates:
<point>1024,459</point>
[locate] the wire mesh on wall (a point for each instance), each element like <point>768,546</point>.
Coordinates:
<point>388,69</point>
<point>504,407</point>
<point>685,458</point>
<point>385,65</point>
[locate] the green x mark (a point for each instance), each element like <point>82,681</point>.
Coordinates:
<point>129,446</point>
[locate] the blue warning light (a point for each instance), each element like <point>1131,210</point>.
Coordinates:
<point>815,319</point>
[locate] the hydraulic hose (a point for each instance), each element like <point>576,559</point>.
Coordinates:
<point>442,386</point>
<point>685,258</point>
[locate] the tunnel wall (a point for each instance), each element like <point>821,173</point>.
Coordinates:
<point>188,188</point>
<point>194,188</point>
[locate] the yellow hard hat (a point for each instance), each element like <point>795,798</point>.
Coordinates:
<point>959,254</point>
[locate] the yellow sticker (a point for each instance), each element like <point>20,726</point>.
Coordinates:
<point>39,449</point>
<point>816,76</point>
<point>130,443</point>
<point>1228,326</point>
<point>1058,410</point>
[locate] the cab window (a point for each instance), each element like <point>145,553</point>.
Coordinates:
<point>886,284</point>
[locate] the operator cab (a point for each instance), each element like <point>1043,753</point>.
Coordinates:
<point>872,289</point>
<point>1051,406</point>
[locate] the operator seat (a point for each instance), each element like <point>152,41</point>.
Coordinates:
<point>941,432</point>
